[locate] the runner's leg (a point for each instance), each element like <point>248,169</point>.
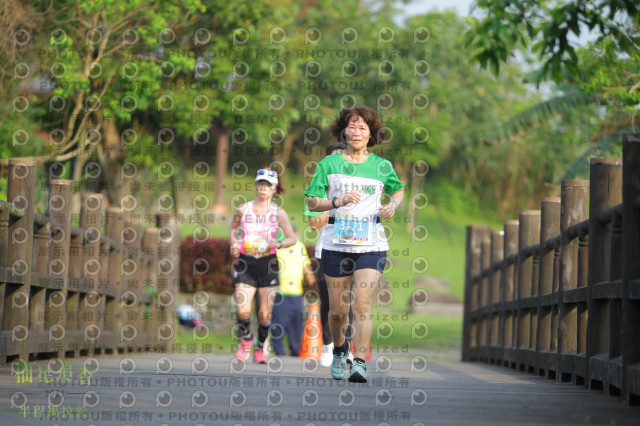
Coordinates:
<point>244,295</point>
<point>267,296</point>
<point>339,301</point>
<point>364,287</point>
<point>279,318</point>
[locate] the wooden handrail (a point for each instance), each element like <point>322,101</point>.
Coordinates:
<point>71,282</point>
<point>569,307</point>
<point>13,210</point>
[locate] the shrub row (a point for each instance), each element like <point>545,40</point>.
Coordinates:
<point>206,266</point>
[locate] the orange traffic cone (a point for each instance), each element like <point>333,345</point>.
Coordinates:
<point>312,337</point>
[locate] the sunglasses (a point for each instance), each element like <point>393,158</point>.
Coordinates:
<point>269,173</point>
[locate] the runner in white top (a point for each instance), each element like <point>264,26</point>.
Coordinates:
<point>352,185</point>
<point>255,266</point>
<point>319,221</point>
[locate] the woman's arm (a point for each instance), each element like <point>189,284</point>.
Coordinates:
<point>287,229</point>
<point>310,274</point>
<point>317,204</point>
<point>234,244</point>
<point>388,210</point>
<point>318,222</point>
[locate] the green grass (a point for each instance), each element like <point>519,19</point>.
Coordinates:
<point>217,342</point>
<point>418,333</point>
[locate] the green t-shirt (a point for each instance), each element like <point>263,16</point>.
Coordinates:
<point>335,176</point>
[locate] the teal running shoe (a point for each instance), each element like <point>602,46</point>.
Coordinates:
<point>339,366</point>
<point>358,372</point>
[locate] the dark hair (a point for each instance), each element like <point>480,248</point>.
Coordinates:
<point>334,147</point>
<point>377,128</point>
<point>279,187</point>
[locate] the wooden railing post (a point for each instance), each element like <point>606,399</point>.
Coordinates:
<point>529,235</point>
<point>568,300</point>
<point>74,341</point>
<point>21,192</point>
<point>61,278</point>
<point>150,285</point>
<point>508,277</point>
<point>100,279</point>
<point>168,271</point>
<point>484,323</point>
<point>549,228</point>
<point>91,300</point>
<point>616,313</point>
<point>113,229</point>
<point>575,194</point>
<point>105,289</point>
<point>38,342</point>
<point>144,262</point>
<point>476,268</point>
<point>130,280</point>
<point>605,192</point>
<point>5,210</point>
<point>475,235</point>
<point>497,254</point>
<point>485,294</point>
<point>60,208</point>
<point>631,269</point>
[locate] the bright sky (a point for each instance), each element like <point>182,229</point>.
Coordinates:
<point>418,7</point>
<point>462,7</point>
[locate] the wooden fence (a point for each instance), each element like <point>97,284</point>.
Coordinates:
<point>557,292</point>
<point>107,286</point>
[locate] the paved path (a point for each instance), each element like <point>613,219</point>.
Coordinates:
<point>181,390</point>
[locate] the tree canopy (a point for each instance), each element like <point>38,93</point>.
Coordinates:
<point>590,49</point>
<point>93,90</point>
<point>551,31</point>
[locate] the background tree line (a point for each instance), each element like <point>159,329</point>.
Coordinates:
<point>104,91</point>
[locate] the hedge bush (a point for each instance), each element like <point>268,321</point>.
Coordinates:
<point>213,270</point>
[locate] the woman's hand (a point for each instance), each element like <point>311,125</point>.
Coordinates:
<point>349,197</point>
<point>387,211</point>
<point>235,250</point>
<point>275,244</point>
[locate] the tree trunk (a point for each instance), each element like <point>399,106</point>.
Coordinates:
<point>283,155</point>
<point>111,158</point>
<point>221,133</point>
<point>417,187</point>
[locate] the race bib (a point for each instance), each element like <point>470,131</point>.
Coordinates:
<point>256,246</point>
<point>354,230</point>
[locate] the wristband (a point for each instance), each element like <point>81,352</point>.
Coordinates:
<point>394,202</point>
<point>333,202</point>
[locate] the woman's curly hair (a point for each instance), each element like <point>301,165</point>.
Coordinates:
<point>377,129</point>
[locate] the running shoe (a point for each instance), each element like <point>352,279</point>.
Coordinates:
<point>350,355</point>
<point>258,356</point>
<point>326,356</point>
<point>358,372</point>
<point>244,349</point>
<point>339,366</point>
<point>266,348</point>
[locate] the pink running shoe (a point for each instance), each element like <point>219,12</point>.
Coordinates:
<point>244,349</point>
<point>258,357</point>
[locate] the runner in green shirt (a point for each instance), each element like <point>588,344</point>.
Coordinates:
<point>351,185</point>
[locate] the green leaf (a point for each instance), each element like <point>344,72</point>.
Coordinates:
<point>540,113</point>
